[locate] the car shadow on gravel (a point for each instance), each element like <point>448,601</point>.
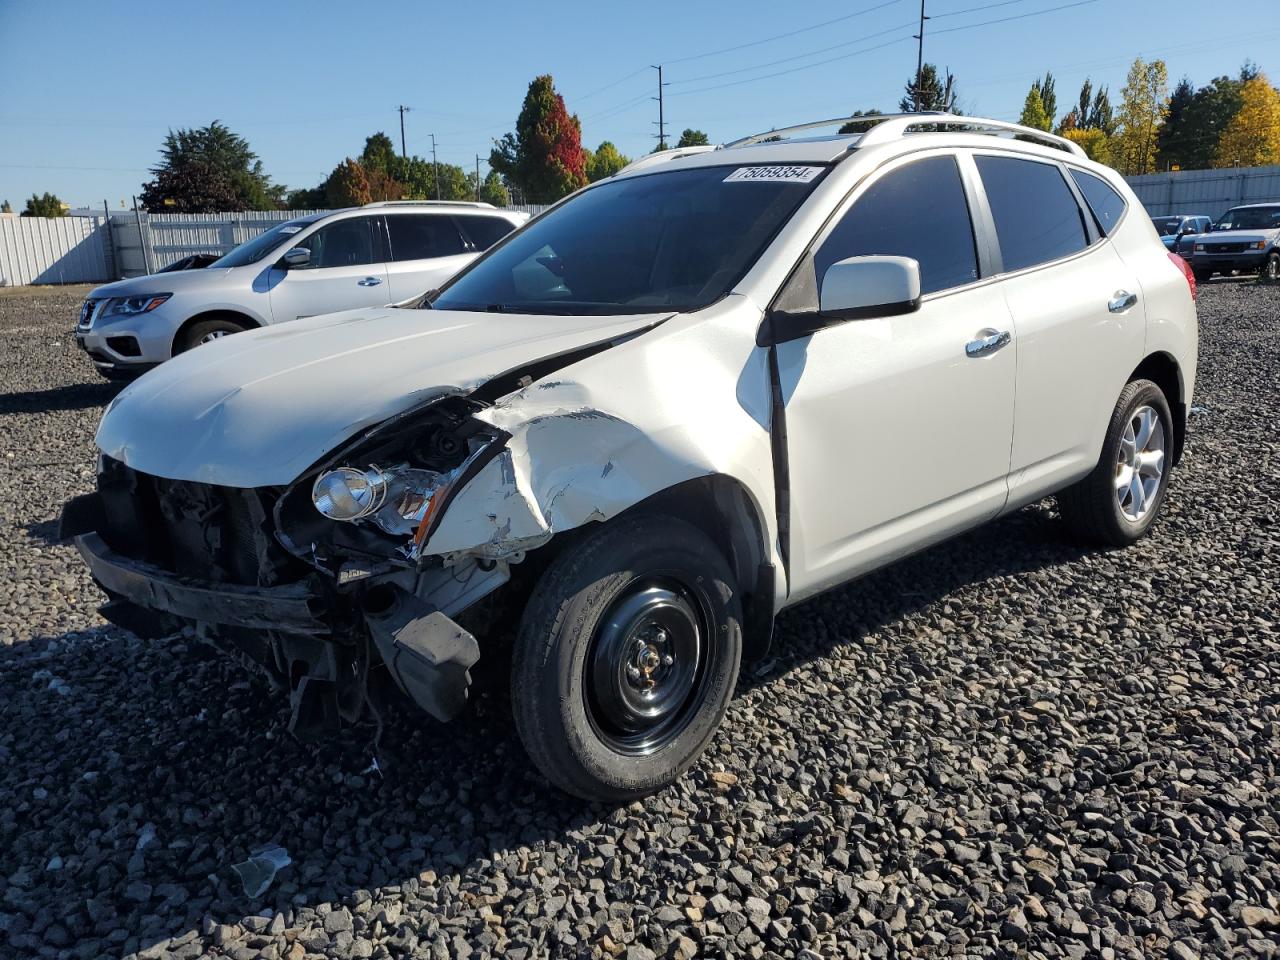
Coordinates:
<point>78,396</point>
<point>137,773</point>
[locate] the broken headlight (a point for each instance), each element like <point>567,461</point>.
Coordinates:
<point>396,499</point>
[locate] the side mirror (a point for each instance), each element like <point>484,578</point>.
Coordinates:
<point>860,288</point>
<point>297,257</point>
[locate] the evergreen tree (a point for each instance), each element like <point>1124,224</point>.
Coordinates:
<point>544,156</point>
<point>692,138</point>
<point>1033,112</point>
<point>933,93</point>
<point>211,148</point>
<point>1172,143</point>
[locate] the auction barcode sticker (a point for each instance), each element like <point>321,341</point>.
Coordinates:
<point>788,174</point>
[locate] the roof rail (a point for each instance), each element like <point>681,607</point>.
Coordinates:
<point>429,203</point>
<point>889,127</point>
<point>661,156</point>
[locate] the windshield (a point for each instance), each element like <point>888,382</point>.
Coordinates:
<point>676,240</point>
<point>251,251</point>
<point>1250,218</point>
<point>1167,226</point>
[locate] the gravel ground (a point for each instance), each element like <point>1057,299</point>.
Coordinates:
<point>1005,746</point>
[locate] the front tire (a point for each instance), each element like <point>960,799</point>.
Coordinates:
<point>205,331</point>
<point>626,658</point>
<point>1203,276</point>
<point>1117,503</point>
<point>1270,272</point>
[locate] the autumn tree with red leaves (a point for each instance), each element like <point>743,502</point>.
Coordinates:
<point>544,158</point>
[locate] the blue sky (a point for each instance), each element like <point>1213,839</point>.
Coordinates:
<point>88,89</point>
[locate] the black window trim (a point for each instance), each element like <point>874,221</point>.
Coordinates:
<point>379,239</point>
<point>1093,216</point>
<point>982,245</point>
<point>467,246</point>
<point>1082,208</point>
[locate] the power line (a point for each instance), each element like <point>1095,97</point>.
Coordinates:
<point>610,86</point>
<point>879,46</point>
<point>783,36</point>
<point>782,73</point>
<point>1019,16</point>
<point>799,56</point>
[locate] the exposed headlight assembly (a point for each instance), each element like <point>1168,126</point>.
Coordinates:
<point>402,500</point>
<point>396,499</point>
<point>132,306</point>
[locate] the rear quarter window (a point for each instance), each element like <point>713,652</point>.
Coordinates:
<point>1107,205</point>
<point>486,231</point>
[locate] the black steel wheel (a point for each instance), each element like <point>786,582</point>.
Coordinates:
<point>627,657</point>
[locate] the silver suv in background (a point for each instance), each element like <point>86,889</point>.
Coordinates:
<point>362,257</point>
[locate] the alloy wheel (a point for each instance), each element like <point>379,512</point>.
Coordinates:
<point>1140,464</point>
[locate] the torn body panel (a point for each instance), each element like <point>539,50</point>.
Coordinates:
<point>688,401</point>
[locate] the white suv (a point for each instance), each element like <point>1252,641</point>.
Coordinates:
<point>681,400</point>
<point>363,257</point>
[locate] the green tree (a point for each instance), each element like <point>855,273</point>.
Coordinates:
<point>856,126</point>
<point>605,162</point>
<point>378,153</point>
<point>1033,112</point>
<point>191,186</point>
<point>1175,135</point>
<point>6,207</point>
<point>217,148</point>
<point>492,190</point>
<point>544,156</point>
<point>1207,116</point>
<point>347,186</point>
<point>44,206</point>
<point>312,198</point>
<point>1048,97</point>
<point>933,93</point>
<point>1142,108</point>
<point>692,138</point>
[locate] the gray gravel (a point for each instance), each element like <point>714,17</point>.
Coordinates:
<point>1005,746</point>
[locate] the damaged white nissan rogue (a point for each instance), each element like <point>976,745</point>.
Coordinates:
<point>683,399</point>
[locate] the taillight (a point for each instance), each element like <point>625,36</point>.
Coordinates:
<point>1186,272</point>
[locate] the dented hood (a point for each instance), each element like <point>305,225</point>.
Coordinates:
<point>258,408</point>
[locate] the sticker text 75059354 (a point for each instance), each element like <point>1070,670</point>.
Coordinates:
<point>785,174</point>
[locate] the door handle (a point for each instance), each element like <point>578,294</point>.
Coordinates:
<point>1122,301</point>
<point>369,281</point>
<point>989,342</point>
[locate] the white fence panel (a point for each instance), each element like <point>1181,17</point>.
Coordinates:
<point>54,250</point>
<point>1207,192</point>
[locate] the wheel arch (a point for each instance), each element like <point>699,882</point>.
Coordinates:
<point>245,320</point>
<point>1164,371</point>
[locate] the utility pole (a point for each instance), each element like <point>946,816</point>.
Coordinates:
<point>920,58</point>
<point>477,178</point>
<point>403,110</point>
<point>435,167</point>
<point>662,125</point>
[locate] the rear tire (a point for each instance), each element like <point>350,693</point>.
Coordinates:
<point>1270,272</point>
<point>1117,503</point>
<point>204,331</point>
<point>1203,276</point>
<point>626,658</point>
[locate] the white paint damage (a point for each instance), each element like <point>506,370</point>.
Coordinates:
<point>686,400</point>
<point>259,408</point>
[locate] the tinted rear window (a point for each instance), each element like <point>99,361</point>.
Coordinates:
<point>1106,204</point>
<point>420,236</point>
<point>1037,217</point>
<point>486,231</point>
